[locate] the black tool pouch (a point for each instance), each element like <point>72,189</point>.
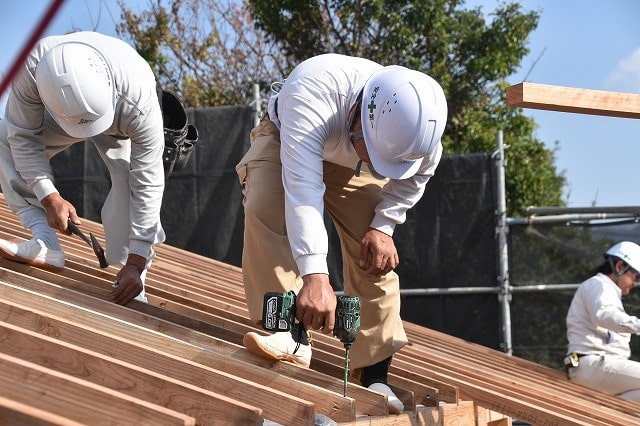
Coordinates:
<point>180,137</point>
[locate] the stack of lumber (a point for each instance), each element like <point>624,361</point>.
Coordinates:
<point>69,356</point>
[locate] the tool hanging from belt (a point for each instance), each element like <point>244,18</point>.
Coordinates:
<point>572,360</point>
<point>180,137</point>
<point>92,241</point>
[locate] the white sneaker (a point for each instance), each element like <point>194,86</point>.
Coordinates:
<point>141,298</point>
<point>393,403</point>
<point>33,253</point>
<point>281,346</point>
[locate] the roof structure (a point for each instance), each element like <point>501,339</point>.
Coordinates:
<point>69,356</point>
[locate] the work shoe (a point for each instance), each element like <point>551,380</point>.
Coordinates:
<point>393,403</point>
<point>284,346</point>
<point>33,253</point>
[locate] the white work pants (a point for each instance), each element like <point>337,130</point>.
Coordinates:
<point>609,374</point>
<point>115,212</point>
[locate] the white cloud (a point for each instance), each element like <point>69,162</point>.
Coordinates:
<point>626,76</point>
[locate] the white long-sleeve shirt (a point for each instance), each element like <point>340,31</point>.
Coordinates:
<point>597,322</point>
<point>313,109</point>
<point>137,117</point>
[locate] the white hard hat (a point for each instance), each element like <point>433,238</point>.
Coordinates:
<point>403,114</point>
<point>77,88</point>
<point>628,252</point>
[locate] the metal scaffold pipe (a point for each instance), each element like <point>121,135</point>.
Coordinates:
<point>257,105</point>
<point>567,218</point>
<point>502,229</point>
<point>628,210</point>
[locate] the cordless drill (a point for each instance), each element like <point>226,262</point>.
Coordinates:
<point>279,314</point>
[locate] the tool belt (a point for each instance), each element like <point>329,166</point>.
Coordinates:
<point>180,137</point>
<point>572,360</point>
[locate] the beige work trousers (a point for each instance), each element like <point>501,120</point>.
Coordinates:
<point>267,261</point>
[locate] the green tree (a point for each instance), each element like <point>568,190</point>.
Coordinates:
<point>469,56</point>
<point>212,52</point>
<point>206,51</point>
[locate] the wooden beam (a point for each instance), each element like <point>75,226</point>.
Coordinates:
<point>108,335</point>
<point>197,306</point>
<point>513,397</point>
<point>423,416</point>
<point>16,413</point>
<point>227,354</point>
<point>462,413</point>
<point>533,378</point>
<point>571,99</point>
<point>142,382</point>
<point>77,399</point>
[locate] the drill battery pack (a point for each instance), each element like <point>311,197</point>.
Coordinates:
<point>279,311</point>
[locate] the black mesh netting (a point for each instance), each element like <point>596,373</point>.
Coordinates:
<point>202,203</point>
<point>565,253</point>
<point>449,239</point>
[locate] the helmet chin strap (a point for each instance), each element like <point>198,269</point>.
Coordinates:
<point>618,274</point>
<point>355,108</point>
<point>358,167</point>
<point>358,134</point>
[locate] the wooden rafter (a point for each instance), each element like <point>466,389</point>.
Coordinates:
<point>571,99</point>
<point>180,358</point>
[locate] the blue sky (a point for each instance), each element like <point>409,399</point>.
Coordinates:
<point>591,44</point>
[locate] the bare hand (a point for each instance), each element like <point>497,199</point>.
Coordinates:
<point>378,253</point>
<point>128,281</point>
<point>316,303</point>
<point>59,211</point>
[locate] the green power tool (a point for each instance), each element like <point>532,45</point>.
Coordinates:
<point>279,314</point>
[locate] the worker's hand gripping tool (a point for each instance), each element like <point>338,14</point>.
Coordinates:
<point>92,241</point>
<point>279,314</point>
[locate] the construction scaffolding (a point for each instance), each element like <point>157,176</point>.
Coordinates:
<point>564,216</point>
<point>552,98</point>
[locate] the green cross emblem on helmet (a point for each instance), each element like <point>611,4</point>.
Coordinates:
<point>371,107</point>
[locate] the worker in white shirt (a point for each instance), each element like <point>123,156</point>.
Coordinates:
<point>76,87</point>
<point>361,141</point>
<point>599,329</point>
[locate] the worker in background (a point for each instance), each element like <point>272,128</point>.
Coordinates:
<point>76,87</point>
<point>361,141</point>
<point>599,329</point>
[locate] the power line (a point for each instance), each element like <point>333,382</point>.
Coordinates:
<point>534,64</point>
